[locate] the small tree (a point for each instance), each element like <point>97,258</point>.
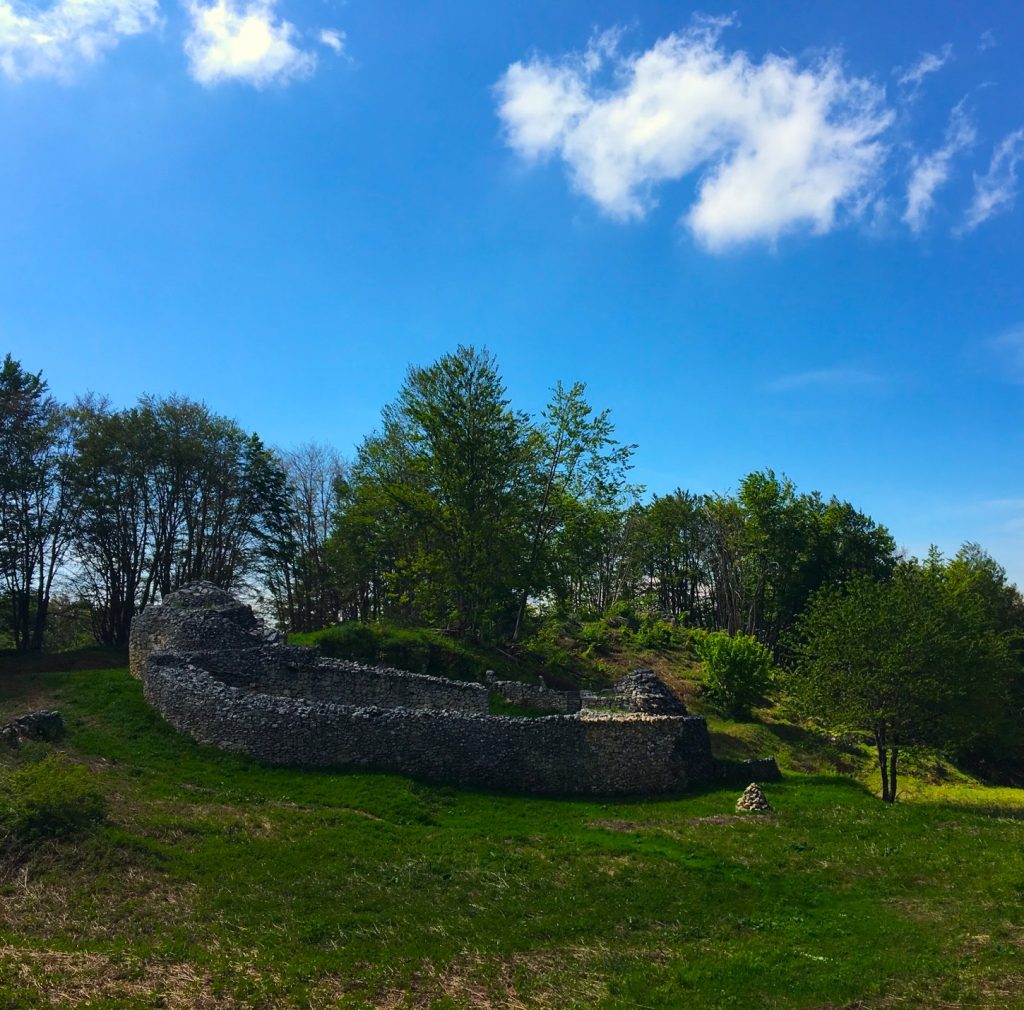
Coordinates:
<point>737,670</point>
<point>907,662</point>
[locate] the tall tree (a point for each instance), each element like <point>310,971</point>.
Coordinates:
<point>170,493</point>
<point>454,462</point>
<point>36,505</point>
<point>303,584</point>
<point>579,463</point>
<point>673,548</point>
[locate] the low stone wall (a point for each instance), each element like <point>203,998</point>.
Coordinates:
<point>551,754</point>
<point>536,696</point>
<point>215,673</point>
<point>738,771</point>
<point>345,683</point>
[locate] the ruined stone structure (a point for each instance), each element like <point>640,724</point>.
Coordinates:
<point>46,724</point>
<point>214,672</point>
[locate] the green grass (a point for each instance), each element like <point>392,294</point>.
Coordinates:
<point>220,883</point>
<point>422,650</point>
<point>563,661</point>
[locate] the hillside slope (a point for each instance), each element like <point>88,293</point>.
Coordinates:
<point>217,883</point>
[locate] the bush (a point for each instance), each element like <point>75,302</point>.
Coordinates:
<point>654,633</point>
<point>622,614</point>
<point>52,798</point>
<point>737,670</point>
<point>594,636</point>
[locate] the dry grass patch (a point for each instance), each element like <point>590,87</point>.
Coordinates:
<point>530,980</point>
<point>80,979</point>
<point>37,901</point>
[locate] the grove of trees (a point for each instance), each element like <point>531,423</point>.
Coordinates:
<point>466,515</point>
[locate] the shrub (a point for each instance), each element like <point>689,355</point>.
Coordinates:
<point>52,798</point>
<point>654,633</point>
<point>550,647</point>
<point>737,670</point>
<point>622,614</point>
<point>412,649</point>
<point>594,636</point>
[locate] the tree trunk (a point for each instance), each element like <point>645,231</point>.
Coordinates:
<point>893,754</point>
<point>883,764</point>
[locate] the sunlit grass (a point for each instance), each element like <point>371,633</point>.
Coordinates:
<point>221,883</point>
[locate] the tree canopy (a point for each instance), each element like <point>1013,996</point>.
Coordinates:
<point>912,662</point>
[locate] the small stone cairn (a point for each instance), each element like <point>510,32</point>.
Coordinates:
<point>753,801</point>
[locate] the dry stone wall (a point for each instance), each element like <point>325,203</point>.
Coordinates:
<point>535,696</point>
<point>214,673</point>
<point>550,754</point>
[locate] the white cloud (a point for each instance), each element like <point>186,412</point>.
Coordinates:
<point>236,41</point>
<point>987,40</point>
<point>826,378</point>
<point>57,41</point>
<point>996,190</point>
<point>781,146</point>
<point>928,63</point>
<point>332,38</point>
<point>932,170</point>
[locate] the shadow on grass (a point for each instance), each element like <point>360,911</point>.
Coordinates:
<point>94,657</point>
<point>805,750</point>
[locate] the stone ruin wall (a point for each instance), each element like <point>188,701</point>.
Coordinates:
<point>219,676</point>
<point>536,696</point>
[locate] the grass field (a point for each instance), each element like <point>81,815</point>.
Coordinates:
<point>218,883</point>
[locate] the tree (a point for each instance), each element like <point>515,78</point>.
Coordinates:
<point>170,493</point>
<point>36,502</point>
<point>453,463</point>
<point>737,670</point>
<point>995,748</point>
<point>672,539</point>
<point>908,661</point>
<point>579,466</point>
<point>298,573</point>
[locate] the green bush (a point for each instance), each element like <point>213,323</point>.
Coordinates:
<point>594,636</point>
<point>52,798</point>
<point>737,670</point>
<point>622,614</point>
<point>654,633</point>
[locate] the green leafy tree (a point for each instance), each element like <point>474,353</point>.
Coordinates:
<point>769,548</point>
<point>578,464</point>
<point>453,463</point>
<point>170,493</point>
<point>672,551</point>
<point>909,662</point>
<point>995,747</point>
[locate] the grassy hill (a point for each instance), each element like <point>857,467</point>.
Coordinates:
<point>218,883</point>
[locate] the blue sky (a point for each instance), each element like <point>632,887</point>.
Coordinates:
<point>777,235</point>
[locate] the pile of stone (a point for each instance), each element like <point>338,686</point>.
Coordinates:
<point>753,801</point>
<point>644,691</point>
<point>43,725</point>
<point>641,691</point>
